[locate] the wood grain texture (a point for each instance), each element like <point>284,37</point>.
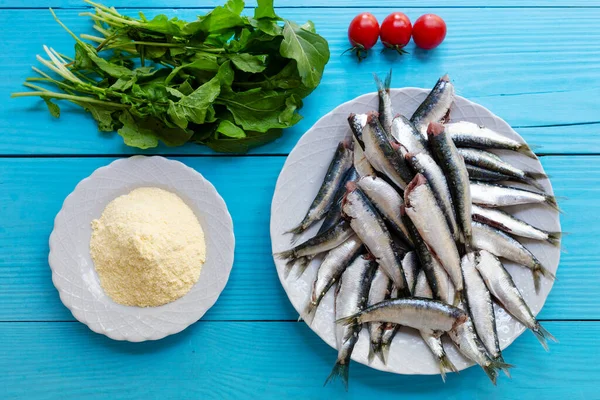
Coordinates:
<point>509,68</point>
<point>305,4</point>
<point>33,191</point>
<point>267,360</point>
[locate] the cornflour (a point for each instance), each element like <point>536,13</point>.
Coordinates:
<point>148,248</point>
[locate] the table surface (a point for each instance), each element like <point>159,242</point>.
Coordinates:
<point>536,64</point>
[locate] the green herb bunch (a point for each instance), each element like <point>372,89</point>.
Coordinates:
<point>227,81</point>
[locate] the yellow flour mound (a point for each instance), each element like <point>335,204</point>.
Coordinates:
<point>148,248</point>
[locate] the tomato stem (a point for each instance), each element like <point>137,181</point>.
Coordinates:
<point>360,51</point>
<point>397,47</point>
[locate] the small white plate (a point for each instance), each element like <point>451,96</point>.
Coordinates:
<point>300,180</point>
<point>73,271</point>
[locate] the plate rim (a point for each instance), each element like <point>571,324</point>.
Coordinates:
<point>369,95</point>
<point>115,334</point>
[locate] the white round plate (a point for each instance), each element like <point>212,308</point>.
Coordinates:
<point>73,271</point>
<point>300,180</point>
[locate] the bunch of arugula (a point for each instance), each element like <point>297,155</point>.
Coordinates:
<point>227,81</point>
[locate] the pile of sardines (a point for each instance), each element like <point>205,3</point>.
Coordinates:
<point>413,233</point>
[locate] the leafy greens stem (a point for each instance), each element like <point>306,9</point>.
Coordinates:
<point>54,95</point>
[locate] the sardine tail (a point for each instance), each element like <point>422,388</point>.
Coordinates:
<point>288,268</point>
<point>536,175</point>
<point>532,182</point>
<point>554,238</point>
<point>491,371</point>
<point>543,335</point>
<point>500,364</point>
<point>309,312</point>
<point>284,255</point>
<point>384,352</point>
<point>458,297</point>
<point>551,201</point>
<point>303,263</point>
<point>525,149</point>
<point>373,349</point>
<point>348,320</point>
<point>446,365</point>
<point>339,371</point>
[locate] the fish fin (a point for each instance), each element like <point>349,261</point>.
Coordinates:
<point>384,352</point>
<point>536,175</point>
<point>491,371</point>
<point>288,254</point>
<point>538,271</point>
<point>339,371</point>
<point>309,312</point>
<point>303,263</point>
<point>554,238</point>
<point>297,230</point>
<point>446,365</point>
<point>551,201</point>
<point>349,319</point>
<point>383,86</point>
<point>458,297</point>
<point>374,350</point>
<point>288,268</point>
<point>499,363</point>
<point>532,182</point>
<point>543,335</point>
<point>527,150</point>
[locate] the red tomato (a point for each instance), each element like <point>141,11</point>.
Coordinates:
<point>429,31</point>
<point>395,30</point>
<point>363,31</point>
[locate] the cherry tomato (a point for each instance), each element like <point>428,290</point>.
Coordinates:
<point>429,31</point>
<point>363,32</point>
<point>395,31</point>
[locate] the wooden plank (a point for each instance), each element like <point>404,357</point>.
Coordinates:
<point>33,191</point>
<point>137,4</point>
<point>509,69</point>
<point>267,360</point>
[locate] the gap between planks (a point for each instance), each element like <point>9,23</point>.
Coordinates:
<point>184,155</point>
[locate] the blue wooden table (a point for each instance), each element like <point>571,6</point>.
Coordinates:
<point>534,63</point>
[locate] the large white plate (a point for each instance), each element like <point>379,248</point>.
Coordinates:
<point>73,271</point>
<point>300,180</point>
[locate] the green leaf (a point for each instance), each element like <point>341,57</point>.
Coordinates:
<point>204,63</point>
<point>240,41</point>
<point>82,61</point>
<point>193,108</point>
<point>103,116</point>
<point>265,9</point>
<point>123,84</point>
<point>230,129</point>
<point>310,51</point>
<point>242,145</point>
<point>309,26</point>
<point>249,63</point>
<point>135,136</point>
<point>115,71</point>
<point>171,136</point>
<point>161,23</point>
<point>260,110</point>
<point>52,107</point>
<point>222,17</point>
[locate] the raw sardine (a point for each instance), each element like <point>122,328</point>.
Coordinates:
<point>372,231</point>
<point>323,242</point>
<point>357,123</point>
<point>423,290</point>
<point>466,340</point>
<point>381,155</point>
<point>489,195</point>
<point>509,224</point>
<point>430,316</point>
<point>405,133</point>
<point>436,106</point>
<point>468,134</point>
<point>491,162</point>
<point>351,297</point>
<point>499,243</point>
<point>381,288</point>
<point>456,173</point>
<point>329,272</point>
<point>423,164</point>
<point>424,212</point>
<point>386,112</point>
<point>361,164</point>
<point>340,164</point>
<point>335,212</point>
<point>481,307</point>
<point>502,287</point>
<point>387,201</point>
